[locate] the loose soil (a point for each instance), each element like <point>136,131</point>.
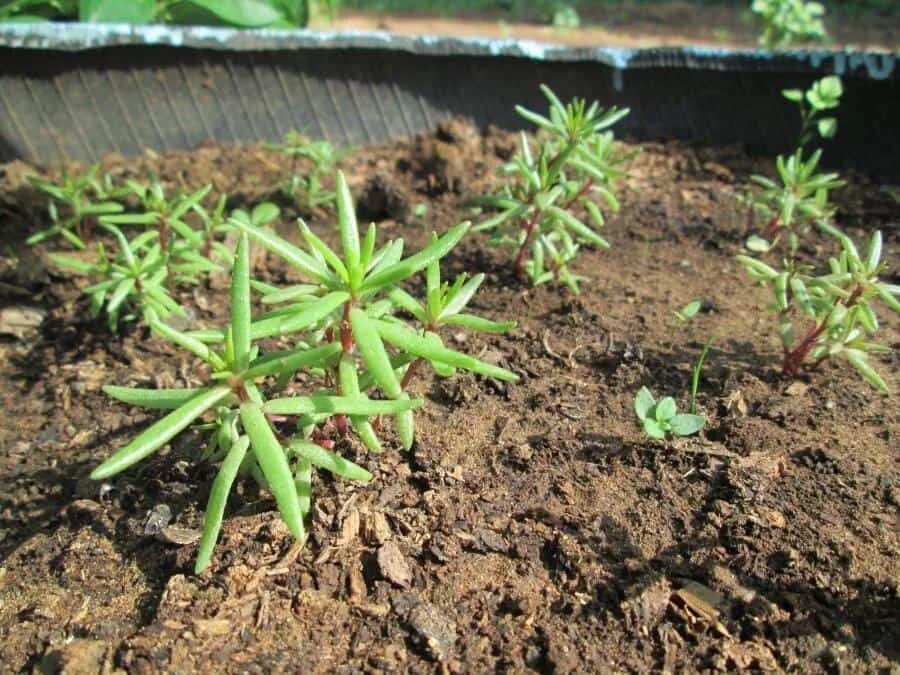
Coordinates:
<point>669,24</point>
<point>531,527</point>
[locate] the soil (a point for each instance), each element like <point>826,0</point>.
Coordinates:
<point>532,527</point>
<point>669,24</point>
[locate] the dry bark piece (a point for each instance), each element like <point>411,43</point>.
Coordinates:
<point>393,565</point>
<point>21,322</point>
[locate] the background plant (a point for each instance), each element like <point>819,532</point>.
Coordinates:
<point>305,185</point>
<point>839,305</point>
<point>788,21</point>
<point>75,204</point>
<point>575,161</point>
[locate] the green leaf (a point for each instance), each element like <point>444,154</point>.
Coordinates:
<point>263,213</point>
<point>580,229</point>
<point>272,460</point>
<point>239,13</point>
<point>653,429</point>
<point>478,323</point>
<point>116,11</point>
<point>290,361</point>
<point>330,461</point>
<point>297,257</point>
<point>188,342</point>
<point>665,409</point>
<point>794,95</point>
<point>406,268</point>
<point>348,228</point>
<point>420,346</point>
<point>757,244</point>
<point>162,399</point>
<point>373,353</point>
<point>240,304</point>
<point>160,433</point>
<point>643,403</point>
<point>310,314</point>
<point>338,405</point>
<point>684,424</point>
<point>858,360</point>
<point>462,296</point>
<point>218,498</point>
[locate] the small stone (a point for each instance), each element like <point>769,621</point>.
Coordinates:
<point>796,389</point>
<point>157,518</point>
<point>436,630</point>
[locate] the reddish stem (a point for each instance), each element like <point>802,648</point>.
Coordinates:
<point>523,250</point>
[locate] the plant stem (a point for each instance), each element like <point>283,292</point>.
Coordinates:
<point>794,358</point>
<point>523,249</point>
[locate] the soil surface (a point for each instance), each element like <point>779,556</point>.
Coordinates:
<point>532,527</point>
<point>668,24</point>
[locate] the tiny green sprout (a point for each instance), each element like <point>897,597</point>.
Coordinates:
<point>75,205</point>
<point>839,304</point>
<point>823,95</point>
<point>661,419</point>
<point>349,300</point>
<point>308,190</point>
<point>245,434</point>
<point>789,21</point>
<point>794,203</point>
<point>565,17</point>
<point>688,312</point>
<point>577,159</point>
<point>131,283</point>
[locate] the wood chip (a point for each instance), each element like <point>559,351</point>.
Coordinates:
<point>393,565</point>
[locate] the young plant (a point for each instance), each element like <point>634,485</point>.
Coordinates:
<point>76,203</point>
<point>793,203</point>
<point>131,283</point>
<point>823,95</point>
<point>575,161</point>
<point>688,312</point>
<point>661,419</point>
<point>349,300</point>
<point>839,304</point>
<point>245,434</point>
<point>308,190</point>
<point>788,21</point>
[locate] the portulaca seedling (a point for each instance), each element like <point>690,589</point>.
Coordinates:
<point>244,436</point>
<point>661,419</point>
<point>308,190</point>
<point>839,305</point>
<point>789,21</point>
<point>577,160</point>
<point>822,96</point>
<point>347,300</point>
<point>131,283</point>
<point>76,203</point>
<point>798,200</point>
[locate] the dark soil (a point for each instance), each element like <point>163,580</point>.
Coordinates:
<point>531,527</point>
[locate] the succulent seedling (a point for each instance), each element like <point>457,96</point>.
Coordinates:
<point>839,304</point>
<point>76,202</point>
<point>347,301</point>
<point>243,435</point>
<point>660,419</point>
<point>576,160</point>
<point>308,190</point>
<point>823,95</point>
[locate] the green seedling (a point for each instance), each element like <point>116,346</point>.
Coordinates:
<point>248,434</point>
<point>688,312</point>
<point>577,159</point>
<point>349,300</point>
<point>793,203</point>
<point>662,419</point>
<point>823,95</point>
<point>131,283</point>
<point>698,368</point>
<point>307,189</point>
<point>75,205</point>
<point>788,21</point>
<point>839,304</point>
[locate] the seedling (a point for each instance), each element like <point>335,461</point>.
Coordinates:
<point>661,419</point>
<point>350,302</point>
<point>131,283</point>
<point>789,21</point>
<point>839,304</point>
<point>575,161</point>
<point>823,95</point>
<point>688,312</point>
<point>793,204</point>
<point>308,190</point>
<point>75,205</point>
<point>243,435</point>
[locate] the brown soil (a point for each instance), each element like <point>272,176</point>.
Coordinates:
<point>532,527</point>
<point>669,24</point>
